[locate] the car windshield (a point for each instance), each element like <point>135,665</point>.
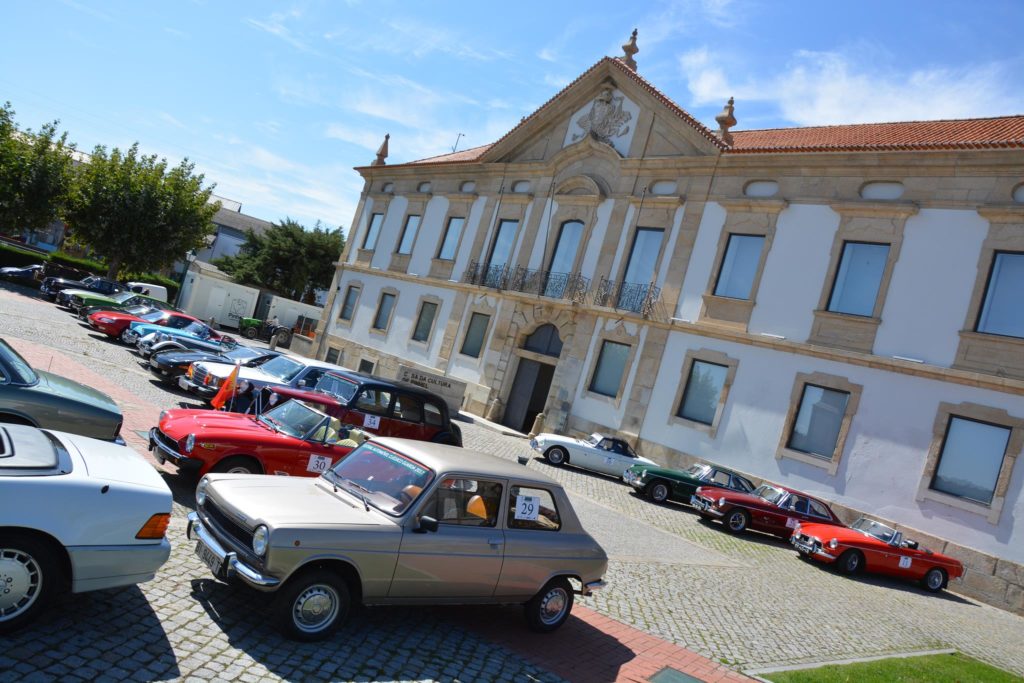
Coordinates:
<point>152,316</point>
<point>381,477</point>
<point>242,353</point>
<point>294,418</point>
<point>338,387</point>
<point>283,368</point>
<point>18,366</point>
<point>697,471</point>
<point>121,297</point>
<point>872,528</point>
<point>198,329</point>
<point>770,493</point>
<point>89,280</point>
<point>594,439</point>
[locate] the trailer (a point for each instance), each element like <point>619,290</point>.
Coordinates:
<point>209,294</point>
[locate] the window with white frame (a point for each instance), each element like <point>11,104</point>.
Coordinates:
<point>473,342</point>
<point>348,306</point>
<point>644,255</point>
<point>373,232</point>
<point>384,308</point>
<point>610,367</point>
<point>504,241</point>
<point>858,278</point>
<point>451,238</point>
<point>971,459</point>
<point>818,421</point>
<point>425,321</point>
<point>1002,311</point>
<point>412,224</point>
<point>703,391</point>
<point>739,266</point>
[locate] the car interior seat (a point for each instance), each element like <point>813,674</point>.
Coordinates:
<point>477,507</point>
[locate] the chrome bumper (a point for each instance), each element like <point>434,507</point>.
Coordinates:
<point>163,454</point>
<point>810,550</point>
<point>231,566</point>
<point>705,506</point>
<point>589,588</point>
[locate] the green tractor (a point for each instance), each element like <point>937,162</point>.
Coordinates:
<point>264,330</point>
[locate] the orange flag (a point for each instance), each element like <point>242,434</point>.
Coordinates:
<point>227,389</point>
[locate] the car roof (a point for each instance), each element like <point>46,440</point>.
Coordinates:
<point>362,378</point>
<point>442,458</point>
<point>24,447</point>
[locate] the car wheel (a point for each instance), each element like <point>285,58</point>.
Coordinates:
<point>657,491</point>
<point>29,576</point>
<point>850,562</point>
<point>557,455</point>
<point>934,580</point>
<point>238,464</point>
<point>249,333</point>
<point>550,607</point>
<point>284,336</point>
<point>737,520</point>
<point>124,335</point>
<point>312,605</point>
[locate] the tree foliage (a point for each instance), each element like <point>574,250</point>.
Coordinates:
<point>137,212</point>
<point>288,259</point>
<point>35,174</point>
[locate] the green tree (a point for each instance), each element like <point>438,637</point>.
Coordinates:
<point>138,213</point>
<point>287,258</point>
<point>35,174</point>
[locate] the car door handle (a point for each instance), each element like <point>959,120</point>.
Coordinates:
<point>495,542</point>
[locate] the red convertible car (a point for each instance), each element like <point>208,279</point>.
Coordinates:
<point>116,323</point>
<point>872,546</point>
<point>772,509</point>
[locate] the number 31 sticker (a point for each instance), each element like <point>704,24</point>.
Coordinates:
<point>318,463</point>
<point>527,507</point>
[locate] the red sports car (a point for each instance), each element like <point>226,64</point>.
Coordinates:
<point>116,323</point>
<point>871,546</point>
<point>772,509</point>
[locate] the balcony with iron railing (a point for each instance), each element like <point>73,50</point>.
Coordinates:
<point>627,296</point>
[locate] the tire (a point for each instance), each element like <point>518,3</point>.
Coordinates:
<point>737,520</point>
<point>850,562</point>
<point>657,491</point>
<point>283,337</point>
<point>312,605</point>
<point>30,570</point>
<point>238,464</point>
<point>934,580</point>
<point>124,335</point>
<point>249,333</point>
<point>556,455</point>
<point>550,607</point>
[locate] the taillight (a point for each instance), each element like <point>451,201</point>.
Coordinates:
<point>155,527</point>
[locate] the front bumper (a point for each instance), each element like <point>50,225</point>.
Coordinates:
<point>705,506</point>
<point>813,549</point>
<point>230,566</point>
<point>191,387</point>
<point>589,588</point>
<point>130,336</point>
<point>164,453</point>
<point>630,477</point>
<point>110,566</point>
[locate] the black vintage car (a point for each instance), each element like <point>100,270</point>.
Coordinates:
<point>167,366</point>
<point>53,286</point>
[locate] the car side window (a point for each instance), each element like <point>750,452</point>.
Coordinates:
<point>465,502</point>
<point>720,478</point>
<point>373,401</point>
<point>741,484</point>
<point>532,508</point>
<point>818,510</point>
<point>409,408</point>
<point>312,377</point>
<point>432,415</point>
<point>797,504</point>
<point>605,445</point>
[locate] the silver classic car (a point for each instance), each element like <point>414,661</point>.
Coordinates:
<point>398,522</point>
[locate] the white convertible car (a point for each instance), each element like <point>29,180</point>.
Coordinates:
<point>75,514</point>
<point>598,452</point>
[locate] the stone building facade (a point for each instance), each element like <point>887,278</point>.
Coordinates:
<point>836,309</point>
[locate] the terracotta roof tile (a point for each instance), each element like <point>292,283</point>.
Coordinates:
<point>471,154</point>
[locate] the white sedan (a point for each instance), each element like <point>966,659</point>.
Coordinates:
<point>598,452</point>
<point>78,514</point>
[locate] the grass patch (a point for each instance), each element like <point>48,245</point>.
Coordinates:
<point>950,668</point>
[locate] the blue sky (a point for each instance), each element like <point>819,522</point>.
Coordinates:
<point>277,101</point>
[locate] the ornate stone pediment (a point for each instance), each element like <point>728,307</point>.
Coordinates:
<point>609,118</point>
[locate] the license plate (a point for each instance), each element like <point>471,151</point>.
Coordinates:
<point>803,547</point>
<point>698,503</point>
<point>183,382</point>
<point>209,557</point>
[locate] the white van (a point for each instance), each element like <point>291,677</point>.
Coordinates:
<point>155,291</point>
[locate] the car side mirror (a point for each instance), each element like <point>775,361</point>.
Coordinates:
<point>425,524</point>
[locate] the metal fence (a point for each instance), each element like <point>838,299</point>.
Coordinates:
<point>627,296</point>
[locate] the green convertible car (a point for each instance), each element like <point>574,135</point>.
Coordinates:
<point>660,483</point>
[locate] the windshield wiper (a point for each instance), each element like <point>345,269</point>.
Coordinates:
<point>362,497</point>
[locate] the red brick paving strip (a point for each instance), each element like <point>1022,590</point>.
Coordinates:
<point>589,648</point>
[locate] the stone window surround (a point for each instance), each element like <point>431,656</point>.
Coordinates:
<point>980,413</point>
<point>381,204</point>
<point>391,315</point>
<point>482,309</point>
<point>339,322</point>
<point>749,216</point>
<point>442,268</point>
<point>621,336</point>
<point>981,351</point>
<point>706,356</point>
<point>871,222</point>
<point>656,213</point>
<point>426,298</point>
<point>825,381</point>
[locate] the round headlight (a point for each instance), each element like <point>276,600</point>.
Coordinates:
<point>641,474</point>
<point>721,501</point>
<point>201,491</point>
<point>162,337</point>
<point>834,543</point>
<point>274,398</point>
<point>259,540</point>
<point>163,414</point>
<point>244,386</point>
<point>190,443</point>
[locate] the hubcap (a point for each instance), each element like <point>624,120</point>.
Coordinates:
<point>20,582</point>
<point>853,562</point>
<point>239,469</point>
<point>934,579</point>
<point>556,456</point>
<point>316,608</point>
<point>660,492</point>
<point>553,605</point>
<point>736,521</point>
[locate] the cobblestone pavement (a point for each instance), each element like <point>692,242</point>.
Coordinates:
<point>746,601</point>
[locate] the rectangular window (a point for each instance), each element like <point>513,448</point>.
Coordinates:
<point>412,224</point>
<point>366,366</point>
<point>563,259</point>
<point>530,508</point>
<point>644,255</point>
<point>611,364</point>
<point>501,249</point>
<point>970,460</point>
<point>467,502</point>
<point>373,232</point>
<point>858,278</point>
<point>816,428</point>
<point>451,238</point>
<point>739,266</point>
<point>425,322</point>
<point>348,307</point>
<point>387,303</point>
<point>703,390</point>
<point>1002,312</point>
<point>474,339</point>
<point>332,355</point>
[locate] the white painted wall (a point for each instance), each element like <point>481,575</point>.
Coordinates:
<point>596,242</point>
<point>429,236</point>
<point>595,407</point>
<point>702,260</point>
<point>465,367</point>
<point>357,235</point>
<point>473,224</point>
<point>390,231</point>
<point>546,233</point>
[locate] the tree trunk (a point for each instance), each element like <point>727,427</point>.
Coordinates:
<point>114,267</point>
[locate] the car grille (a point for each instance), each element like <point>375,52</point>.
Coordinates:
<point>229,528</point>
<point>166,440</point>
<point>199,375</point>
<point>813,543</point>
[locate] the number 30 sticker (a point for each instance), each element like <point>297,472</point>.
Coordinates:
<point>527,507</point>
<point>318,463</point>
<point>371,421</point>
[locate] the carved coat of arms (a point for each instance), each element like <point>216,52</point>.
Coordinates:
<point>605,120</point>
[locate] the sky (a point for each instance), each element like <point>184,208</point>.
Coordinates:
<point>276,102</point>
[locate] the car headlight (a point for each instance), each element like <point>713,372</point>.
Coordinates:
<point>259,540</point>
<point>162,337</point>
<point>274,398</point>
<point>244,386</point>
<point>834,543</point>
<point>105,320</point>
<point>201,491</point>
<point>190,443</point>
<point>641,474</point>
<point>163,414</point>
<point>721,501</point>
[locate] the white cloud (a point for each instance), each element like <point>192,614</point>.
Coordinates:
<point>275,26</point>
<point>167,118</point>
<point>363,138</point>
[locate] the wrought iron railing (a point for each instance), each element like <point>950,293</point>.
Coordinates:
<point>571,286</point>
<point>627,296</point>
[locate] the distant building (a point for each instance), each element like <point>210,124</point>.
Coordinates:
<point>232,227</point>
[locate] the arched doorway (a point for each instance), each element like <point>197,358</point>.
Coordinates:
<point>537,359</point>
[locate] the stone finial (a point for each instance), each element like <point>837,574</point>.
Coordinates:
<point>726,121</point>
<point>382,153</point>
<point>628,50</point>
